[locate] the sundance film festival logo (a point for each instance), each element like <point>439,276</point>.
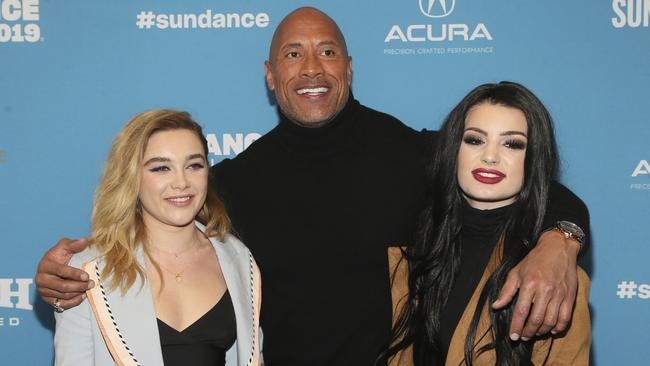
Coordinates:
<point>147,19</point>
<point>14,294</point>
<point>229,144</point>
<point>641,171</point>
<point>19,21</point>
<point>631,289</point>
<point>436,33</point>
<point>631,13</point>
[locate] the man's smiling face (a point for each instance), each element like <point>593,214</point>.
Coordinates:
<point>309,68</point>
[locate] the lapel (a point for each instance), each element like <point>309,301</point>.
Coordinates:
<point>456,352</point>
<point>135,316</point>
<point>236,269</point>
<point>238,286</point>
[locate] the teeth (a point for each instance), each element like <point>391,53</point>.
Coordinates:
<point>488,175</point>
<point>312,90</point>
<point>179,199</point>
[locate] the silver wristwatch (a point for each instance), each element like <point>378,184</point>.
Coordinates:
<point>571,231</point>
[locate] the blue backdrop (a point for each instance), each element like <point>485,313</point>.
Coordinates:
<point>72,73</point>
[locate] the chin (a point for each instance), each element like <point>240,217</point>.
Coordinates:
<point>312,121</point>
<point>181,222</point>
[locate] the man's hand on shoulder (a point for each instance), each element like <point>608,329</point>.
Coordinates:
<point>56,280</point>
<point>547,282</point>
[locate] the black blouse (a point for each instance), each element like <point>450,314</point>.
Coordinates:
<point>205,341</point>
<point>480,233</point>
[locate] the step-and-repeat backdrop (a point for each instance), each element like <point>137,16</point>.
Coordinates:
<point>73,72</point>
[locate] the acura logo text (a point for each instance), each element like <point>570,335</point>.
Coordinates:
<point>437,32</point>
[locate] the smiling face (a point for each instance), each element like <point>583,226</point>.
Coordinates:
<point>309,68</point>
<point>492,155</point>
<point>174,179</point>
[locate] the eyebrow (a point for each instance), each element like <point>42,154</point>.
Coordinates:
<point>327,43</point>
<point>300,44</point>
<point>291,45</point>
<point>504,133</point>
<point>160,159</point>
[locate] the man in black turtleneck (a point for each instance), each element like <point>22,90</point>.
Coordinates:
<point>320,198</point>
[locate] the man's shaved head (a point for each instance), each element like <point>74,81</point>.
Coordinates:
<point>304,14</point>
<point>309,68</point>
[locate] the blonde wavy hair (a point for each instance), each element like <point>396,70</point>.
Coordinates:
<point>117,226</point>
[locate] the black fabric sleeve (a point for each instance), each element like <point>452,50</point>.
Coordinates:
<point>565,205</point>
<point>431,139</point>
<point>217,178</point>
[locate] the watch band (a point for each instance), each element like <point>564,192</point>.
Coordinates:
<point>571,231</point>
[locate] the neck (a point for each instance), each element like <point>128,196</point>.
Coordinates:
<point>318,124</point>
<point>331,137</point>
<point>489,205</point>
<point>284,118</point>
<point>168,238</point>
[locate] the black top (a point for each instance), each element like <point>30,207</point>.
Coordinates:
<point>318,208</point>
<point>204,342</point>
<point>480,233</point>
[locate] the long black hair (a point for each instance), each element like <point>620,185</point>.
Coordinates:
<point>434,258</point>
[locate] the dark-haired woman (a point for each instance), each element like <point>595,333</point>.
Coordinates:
<point>492,172</point>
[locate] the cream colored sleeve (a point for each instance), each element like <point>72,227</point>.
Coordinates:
<point>73,337</point>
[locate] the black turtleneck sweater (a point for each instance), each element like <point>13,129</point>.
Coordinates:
<point>318,208</point>
<point>480,233</point>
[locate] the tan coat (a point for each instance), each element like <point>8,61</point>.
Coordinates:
<point>570,348</point>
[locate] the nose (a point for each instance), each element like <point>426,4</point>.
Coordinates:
<point>312,66</point>
<point>490,154</point>
<point>180,181</point>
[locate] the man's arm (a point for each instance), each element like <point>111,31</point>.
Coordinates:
<point>546,279</point>
<point>73,337</point>
<point>56,280</point>
<point>564,205</point>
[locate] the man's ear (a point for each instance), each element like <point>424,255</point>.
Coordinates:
<point>269,75</point>
<point>349,71</point>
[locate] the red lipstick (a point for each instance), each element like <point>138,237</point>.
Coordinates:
<point>488,176</point>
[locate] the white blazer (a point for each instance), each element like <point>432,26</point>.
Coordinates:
<point>78,340</point>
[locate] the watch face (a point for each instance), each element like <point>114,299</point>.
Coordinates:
<point>572,229</point>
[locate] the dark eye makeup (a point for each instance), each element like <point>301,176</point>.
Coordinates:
<point>472,140</point>
<point>515,144</point>
<point>160,168</point>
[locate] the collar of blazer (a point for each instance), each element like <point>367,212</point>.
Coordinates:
<point>132,338</point>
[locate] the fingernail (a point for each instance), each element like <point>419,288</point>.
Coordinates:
<point>91,284</point>
<point>525,338</point>
<point>84,277</point>
<point>553,332</point>
<point>514,336</point>
<point>83,297</point>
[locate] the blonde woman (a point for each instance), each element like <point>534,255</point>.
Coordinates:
<point>173,285</point>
